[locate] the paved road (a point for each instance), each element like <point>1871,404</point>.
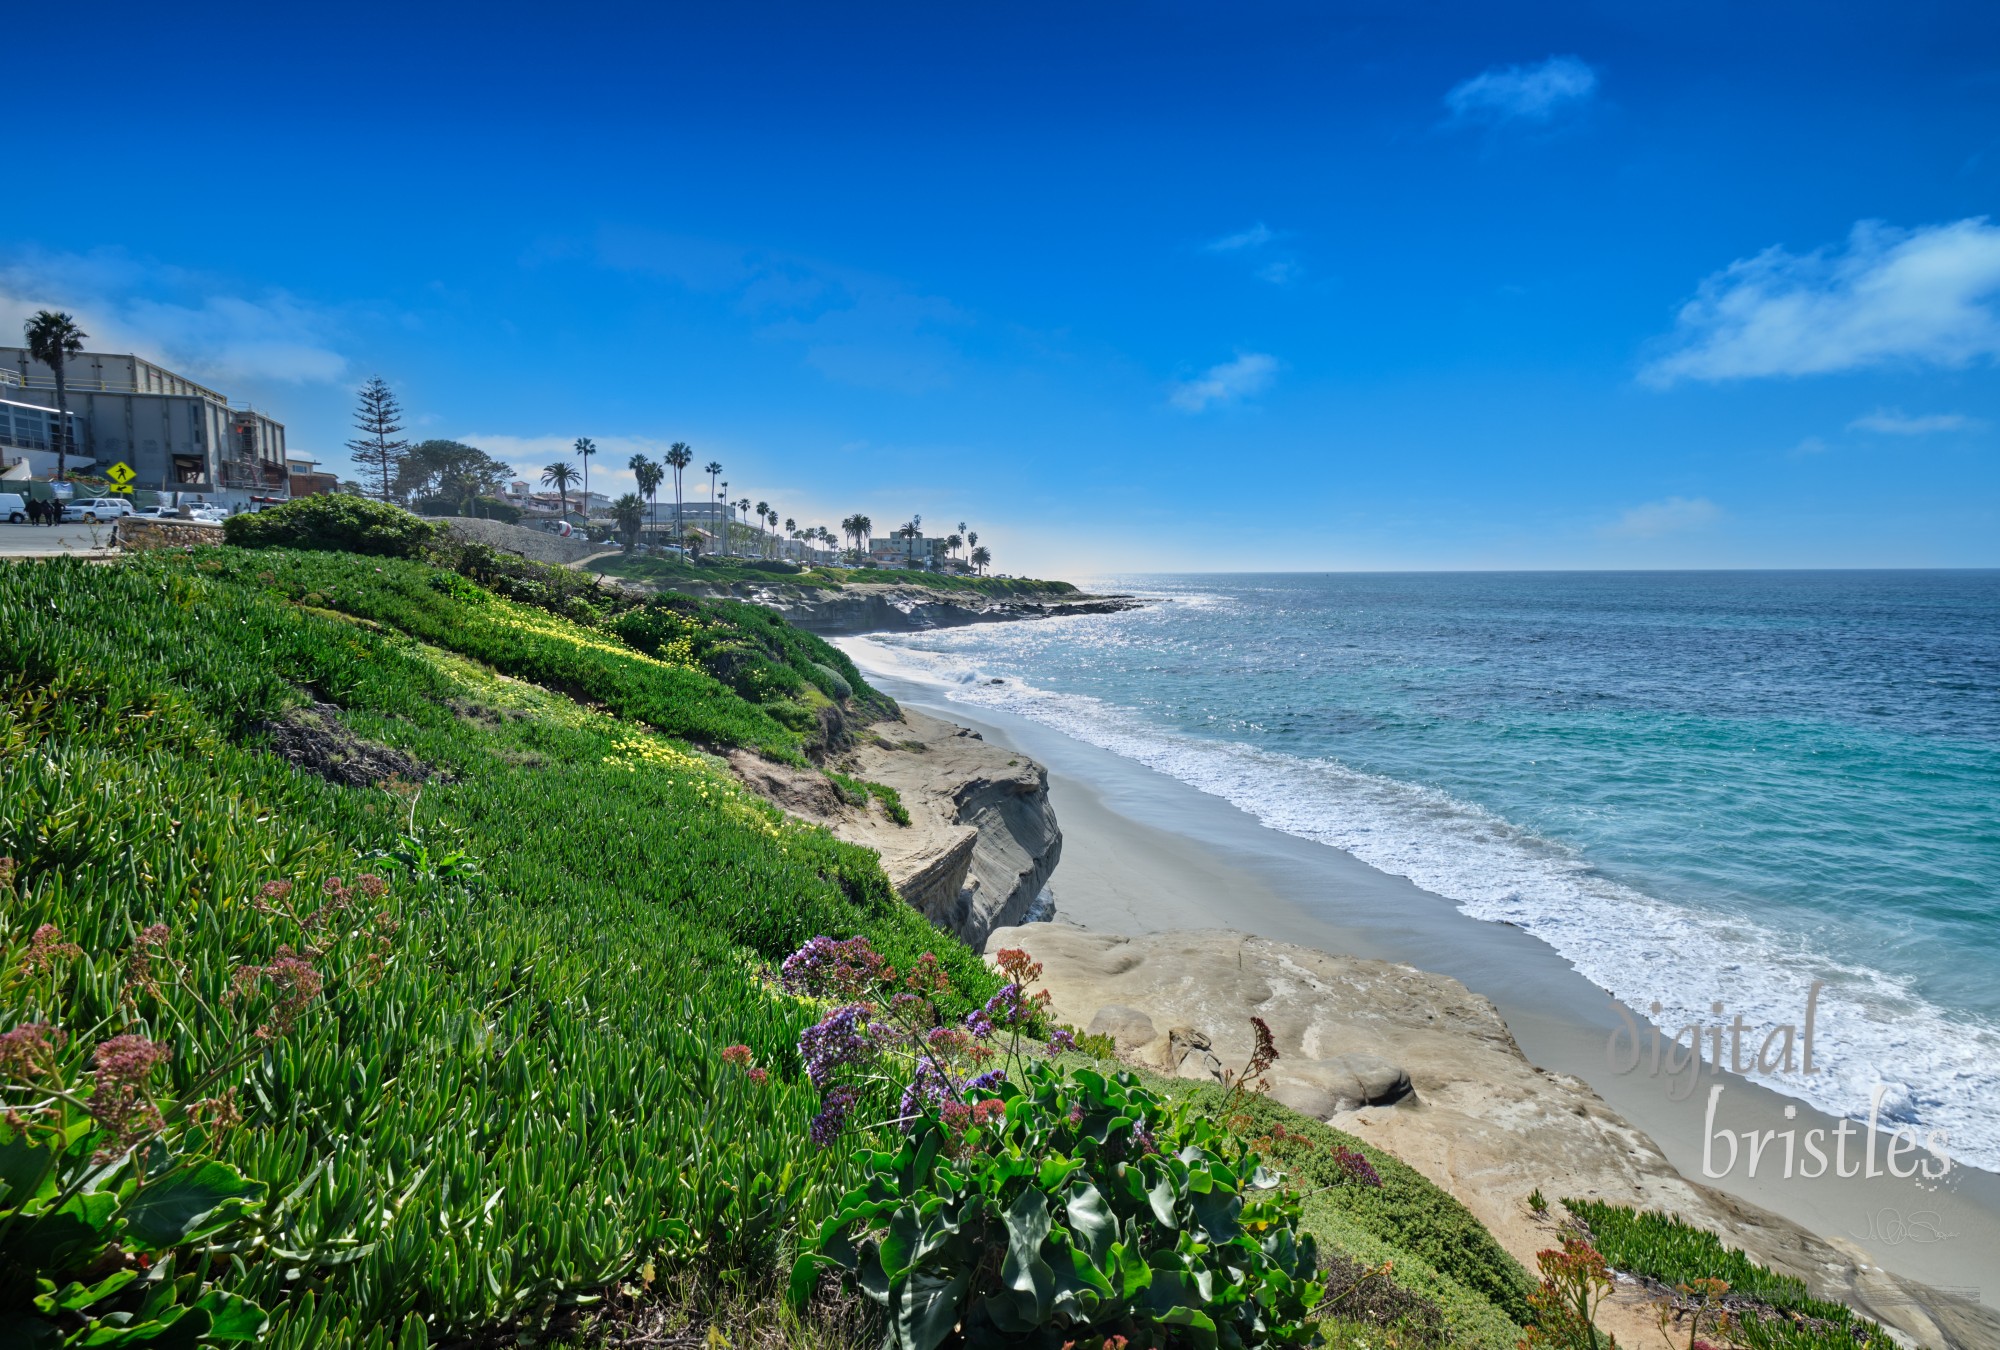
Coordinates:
<point>34,541</point>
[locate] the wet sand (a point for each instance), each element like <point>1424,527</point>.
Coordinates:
<point>1143,852</point>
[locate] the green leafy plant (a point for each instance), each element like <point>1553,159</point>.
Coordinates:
<point>1029,1204</point>
<point>333,521</point>
<point>1072,1207</point>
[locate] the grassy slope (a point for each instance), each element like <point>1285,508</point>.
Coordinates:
<point>530,1101</point>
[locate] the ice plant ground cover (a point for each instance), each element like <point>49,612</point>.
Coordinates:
<point>542,1051</point>
<point>529,1101</point>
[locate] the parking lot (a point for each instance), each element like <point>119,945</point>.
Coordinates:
<point>35,541</point>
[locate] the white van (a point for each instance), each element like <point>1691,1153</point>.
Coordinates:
<point>13,508</point>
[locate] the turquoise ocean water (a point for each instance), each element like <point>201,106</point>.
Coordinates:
<point>1697,787</point>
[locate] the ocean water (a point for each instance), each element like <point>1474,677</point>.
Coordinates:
<point>1697,787</point>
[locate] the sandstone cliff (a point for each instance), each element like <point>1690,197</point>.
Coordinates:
<point>1422,1067</point>
<point>982,838</point>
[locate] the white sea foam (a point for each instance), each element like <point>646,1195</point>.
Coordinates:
<point>1941,1071</point>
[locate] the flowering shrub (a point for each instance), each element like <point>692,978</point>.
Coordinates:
<point>1027,1204</point>
<point>1070,1207</point>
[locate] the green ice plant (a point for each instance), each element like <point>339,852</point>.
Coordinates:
<point>1046,1206</point>
<point>112,1212</point>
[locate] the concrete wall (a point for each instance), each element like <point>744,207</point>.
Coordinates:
<point>108,373</point>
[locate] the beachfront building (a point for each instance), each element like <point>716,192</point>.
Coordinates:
<point>305,477</point>
<point>925,551</point>
<point>177,435</point>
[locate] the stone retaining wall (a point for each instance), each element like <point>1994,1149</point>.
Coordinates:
<point>137,534</point>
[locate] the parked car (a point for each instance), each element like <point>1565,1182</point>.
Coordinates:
<point>96,508</point>
<point>13,508</point>
<point>215,515</point>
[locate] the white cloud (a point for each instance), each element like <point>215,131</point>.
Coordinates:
<point>1250,373</point>
<point>1675,515</point>
<point>1895,422</point>
<point>1918,297</point>
<point>1255,237</point>
<point>172,316</point>
<point>1528,94</point>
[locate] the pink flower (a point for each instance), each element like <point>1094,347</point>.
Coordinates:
<point>47,948</point>
<point>29,1050</point>
<point>758,1076</point>
<point>121,1104</point>
<point>738,1055</point>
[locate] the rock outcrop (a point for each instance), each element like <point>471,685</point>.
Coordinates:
<point>1422,1067</point>
<point>982,839</point>
<point>867,608</point>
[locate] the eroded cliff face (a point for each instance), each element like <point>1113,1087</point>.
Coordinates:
<point>982,839</point>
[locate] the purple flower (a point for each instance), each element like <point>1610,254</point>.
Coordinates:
<point>825,966</point>
<point>832,1117</point>
<point>927,1088</point>
<point>1060,1042</point>
<point>842,1038</point>
<point>979,1024</point>
<point>1355,1165</point>
<point>1007,1007</point>
<point>989,1081</point>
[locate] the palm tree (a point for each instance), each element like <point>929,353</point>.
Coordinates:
<point>725,516</point>
<point>713,468</point>
<point>980,557</point>
<point>629,511</point>
<point>961,531</point>
<point>863,527</point>
<point>585,448</point>
<point>559,476</point>
<point>952,542</point>
<point>764,514</point>
<point>744,507</point>
<point>52,339</point>
<point>649,476</point>
<point>679,455</point>
<point>972,539</point>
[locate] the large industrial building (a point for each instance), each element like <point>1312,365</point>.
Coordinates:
<point>178,436</point>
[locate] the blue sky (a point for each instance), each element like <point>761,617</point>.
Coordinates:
<point>1125,286</point>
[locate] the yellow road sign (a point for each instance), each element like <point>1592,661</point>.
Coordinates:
<point>125,488</point>
<point>121,472</point>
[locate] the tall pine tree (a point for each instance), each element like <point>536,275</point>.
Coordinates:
<point>378,416</point>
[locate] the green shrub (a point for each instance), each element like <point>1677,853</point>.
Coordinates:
<point>479,508</point>
<point>833,682</point>
<point>1110,1213</point>
<point>334,521</point>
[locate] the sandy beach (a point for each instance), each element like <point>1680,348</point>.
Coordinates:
<point>1145,853</point>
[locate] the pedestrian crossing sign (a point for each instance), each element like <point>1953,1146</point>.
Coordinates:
<point>120,473</point>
